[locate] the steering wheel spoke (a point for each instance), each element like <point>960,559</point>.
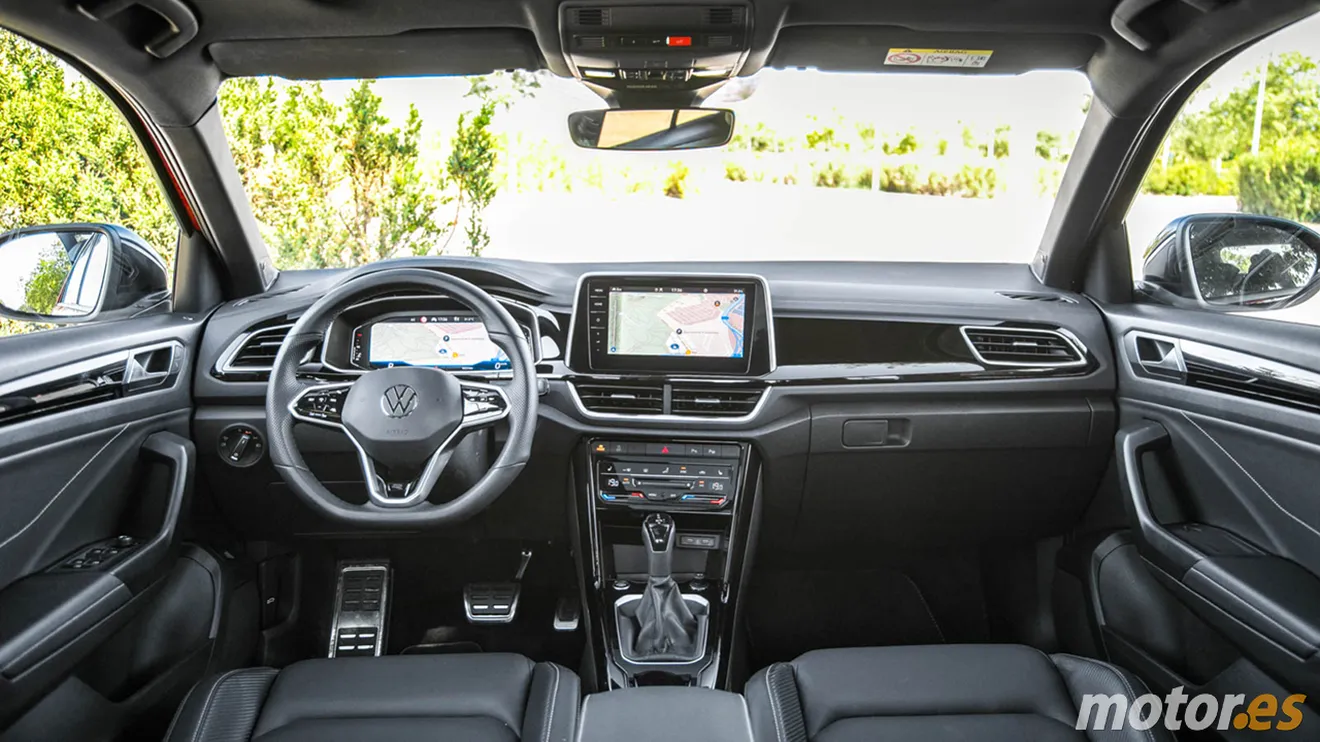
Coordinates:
<point>483,405</point>
<point>389,489</point>
<point>321,404</point>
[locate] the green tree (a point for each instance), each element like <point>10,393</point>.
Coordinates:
<point>1223,130</point>
<point>67,155</point>
<point>42,288</point>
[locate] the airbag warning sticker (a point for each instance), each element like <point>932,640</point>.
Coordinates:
<point>939,57</point>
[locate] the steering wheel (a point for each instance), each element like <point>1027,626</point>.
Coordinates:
<point>405,422</point>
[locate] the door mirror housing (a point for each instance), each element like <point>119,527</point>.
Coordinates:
<point>73,273</point>
<point>1232,263</point>
<point>651,130</point>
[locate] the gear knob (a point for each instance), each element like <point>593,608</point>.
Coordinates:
<point>658,537</point>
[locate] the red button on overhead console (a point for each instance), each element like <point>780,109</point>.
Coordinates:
<point>678,40</point>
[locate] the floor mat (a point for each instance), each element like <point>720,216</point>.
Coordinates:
<point>790,613</point>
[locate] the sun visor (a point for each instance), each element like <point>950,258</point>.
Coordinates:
<point>894,49</point>
<point>448,52</point>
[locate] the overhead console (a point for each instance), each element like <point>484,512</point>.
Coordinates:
<point>655,48</point>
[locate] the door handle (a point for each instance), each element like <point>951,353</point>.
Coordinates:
<point>1157,356</point>
<point>152,367</point>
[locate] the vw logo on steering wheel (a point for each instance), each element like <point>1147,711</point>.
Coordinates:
<point>399,401</point>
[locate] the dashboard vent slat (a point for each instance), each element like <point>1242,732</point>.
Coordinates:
<point>714,401</point>
<point>1010,346</point>
<point>723,16</point>
<point>593,16</point>
<point>259,349</point>
<point>623,399</point>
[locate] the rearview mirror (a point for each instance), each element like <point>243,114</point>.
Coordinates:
<point>70,273</point>
<point>1232,262</point>
<point>651,129</point>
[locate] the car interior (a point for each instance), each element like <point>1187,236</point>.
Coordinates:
<point>856,501</point>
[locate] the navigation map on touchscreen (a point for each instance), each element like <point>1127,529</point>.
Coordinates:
<point>647,323</point>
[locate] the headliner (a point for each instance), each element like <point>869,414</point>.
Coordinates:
<point>382,38</point>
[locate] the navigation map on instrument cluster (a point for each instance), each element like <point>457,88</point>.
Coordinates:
<point>447,344</point>
<point>645,323</point>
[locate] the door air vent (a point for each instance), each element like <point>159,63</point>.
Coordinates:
<point>723,16</point>
<point>1032,296</point>
<point>623,399</point>
<point>593,16</point>
<point>715,401</point>
<point>1010,346</point>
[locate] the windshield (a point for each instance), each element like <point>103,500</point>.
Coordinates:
<point>821,166</point>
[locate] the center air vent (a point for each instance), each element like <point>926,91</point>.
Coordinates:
<point>625,399</point>
<point>716,401</point>
<point>1010,346</point>
<point>593,16</point>
<point>723,16</point>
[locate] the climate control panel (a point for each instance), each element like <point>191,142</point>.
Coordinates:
<point>696,475</point>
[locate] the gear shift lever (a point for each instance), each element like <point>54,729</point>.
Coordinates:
<point>658,530</point>
<point>665,624</point>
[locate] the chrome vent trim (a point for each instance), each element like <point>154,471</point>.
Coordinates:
<point>1019,347</point>
<point>622,399</point>
<point>262,341</point>
<point>714,401</point>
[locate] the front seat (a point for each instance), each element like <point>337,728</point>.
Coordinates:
<point>470,697</point>
<point>942,693</point>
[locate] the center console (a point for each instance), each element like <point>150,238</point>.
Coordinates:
<point>664,517</point>
<point>667,531</point>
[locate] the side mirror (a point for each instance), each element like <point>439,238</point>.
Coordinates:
<point>71,273</point>
<point>651,129</point>
<point>1232,262</point>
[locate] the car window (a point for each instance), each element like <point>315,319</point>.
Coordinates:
<point>66,155</point>
<point>820,166</point>
<point>1228,218</point>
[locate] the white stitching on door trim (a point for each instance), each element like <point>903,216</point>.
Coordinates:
<point>63,489</point>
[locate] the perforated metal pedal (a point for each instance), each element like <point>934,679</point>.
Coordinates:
<point>362,594</point>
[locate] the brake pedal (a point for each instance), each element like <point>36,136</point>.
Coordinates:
<point>362,594</point>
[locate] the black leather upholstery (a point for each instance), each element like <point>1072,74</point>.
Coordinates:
<point>476,697</point>
<point>937,693</point>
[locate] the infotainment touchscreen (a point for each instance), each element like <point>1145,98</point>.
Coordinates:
<point>672,324</point>
<point>452,341</point>
<point>677,322</point>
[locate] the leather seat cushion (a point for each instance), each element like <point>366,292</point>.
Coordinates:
<point>932,693</point>
<point>478,697</point>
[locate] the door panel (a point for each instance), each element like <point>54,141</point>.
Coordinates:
<point>1219,465</point>
<point>93,445</point>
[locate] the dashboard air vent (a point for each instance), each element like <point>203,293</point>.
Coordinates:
<point>623,399</point>
<point>723,16</point>
<point>591,42</point>
<point>258,351</point>
<point>1010,346</point>
<point>1032,296</point>
<point>718,401</point>
<point>593,16</point>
